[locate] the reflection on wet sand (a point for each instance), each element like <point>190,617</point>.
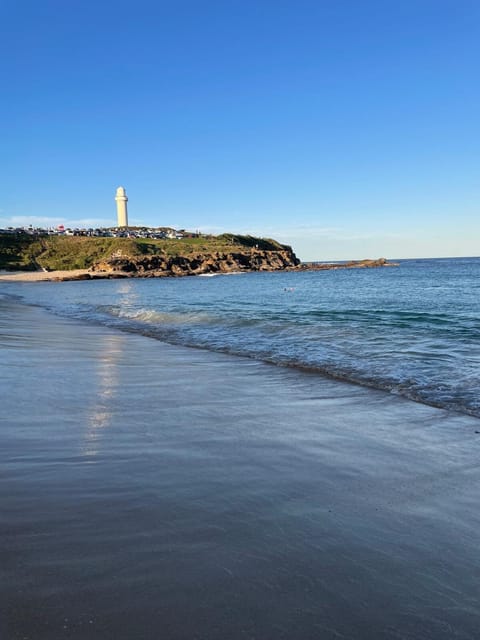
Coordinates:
<point>100,414</point>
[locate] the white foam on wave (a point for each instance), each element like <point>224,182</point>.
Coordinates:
<point>221,273</point>
<point>152,316</point>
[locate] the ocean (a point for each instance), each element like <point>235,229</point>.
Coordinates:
<point>308,470</point>
<point>412,330</point>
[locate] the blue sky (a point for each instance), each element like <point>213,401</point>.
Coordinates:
<point>346,128</point>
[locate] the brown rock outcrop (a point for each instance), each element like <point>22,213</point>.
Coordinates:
<point>352,264</point>
<point>196,264</point>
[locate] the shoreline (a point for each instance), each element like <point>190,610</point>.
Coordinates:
<point>90,274</point>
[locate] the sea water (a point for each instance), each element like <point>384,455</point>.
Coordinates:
<point>412,329</point>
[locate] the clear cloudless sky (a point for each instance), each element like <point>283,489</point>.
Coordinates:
<point>347,128</point>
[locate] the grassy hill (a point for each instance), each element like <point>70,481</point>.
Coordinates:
<point>29,253</point>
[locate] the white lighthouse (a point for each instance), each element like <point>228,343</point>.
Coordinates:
<point>121,200</point>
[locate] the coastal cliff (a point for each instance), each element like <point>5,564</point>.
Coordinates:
<point>199,263</point>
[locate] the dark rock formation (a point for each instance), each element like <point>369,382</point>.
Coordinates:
<point>198,263</point>
<point>352,264</point>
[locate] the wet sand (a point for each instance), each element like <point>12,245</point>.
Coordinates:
<point>151,491</point>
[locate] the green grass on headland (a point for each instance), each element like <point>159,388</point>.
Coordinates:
<point>227,242</point>
<point>58,252</point>
<point>30,253</point>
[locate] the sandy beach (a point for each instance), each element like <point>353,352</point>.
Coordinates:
<point>41,276</point>
<point>152,491</point>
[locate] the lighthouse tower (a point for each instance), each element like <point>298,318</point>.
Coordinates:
<point>121,200</point>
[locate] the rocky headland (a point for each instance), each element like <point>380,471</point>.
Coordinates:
<point>103,258</point>
<point>72,258</point>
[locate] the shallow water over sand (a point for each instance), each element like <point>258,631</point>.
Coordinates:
<point>152,491</point>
